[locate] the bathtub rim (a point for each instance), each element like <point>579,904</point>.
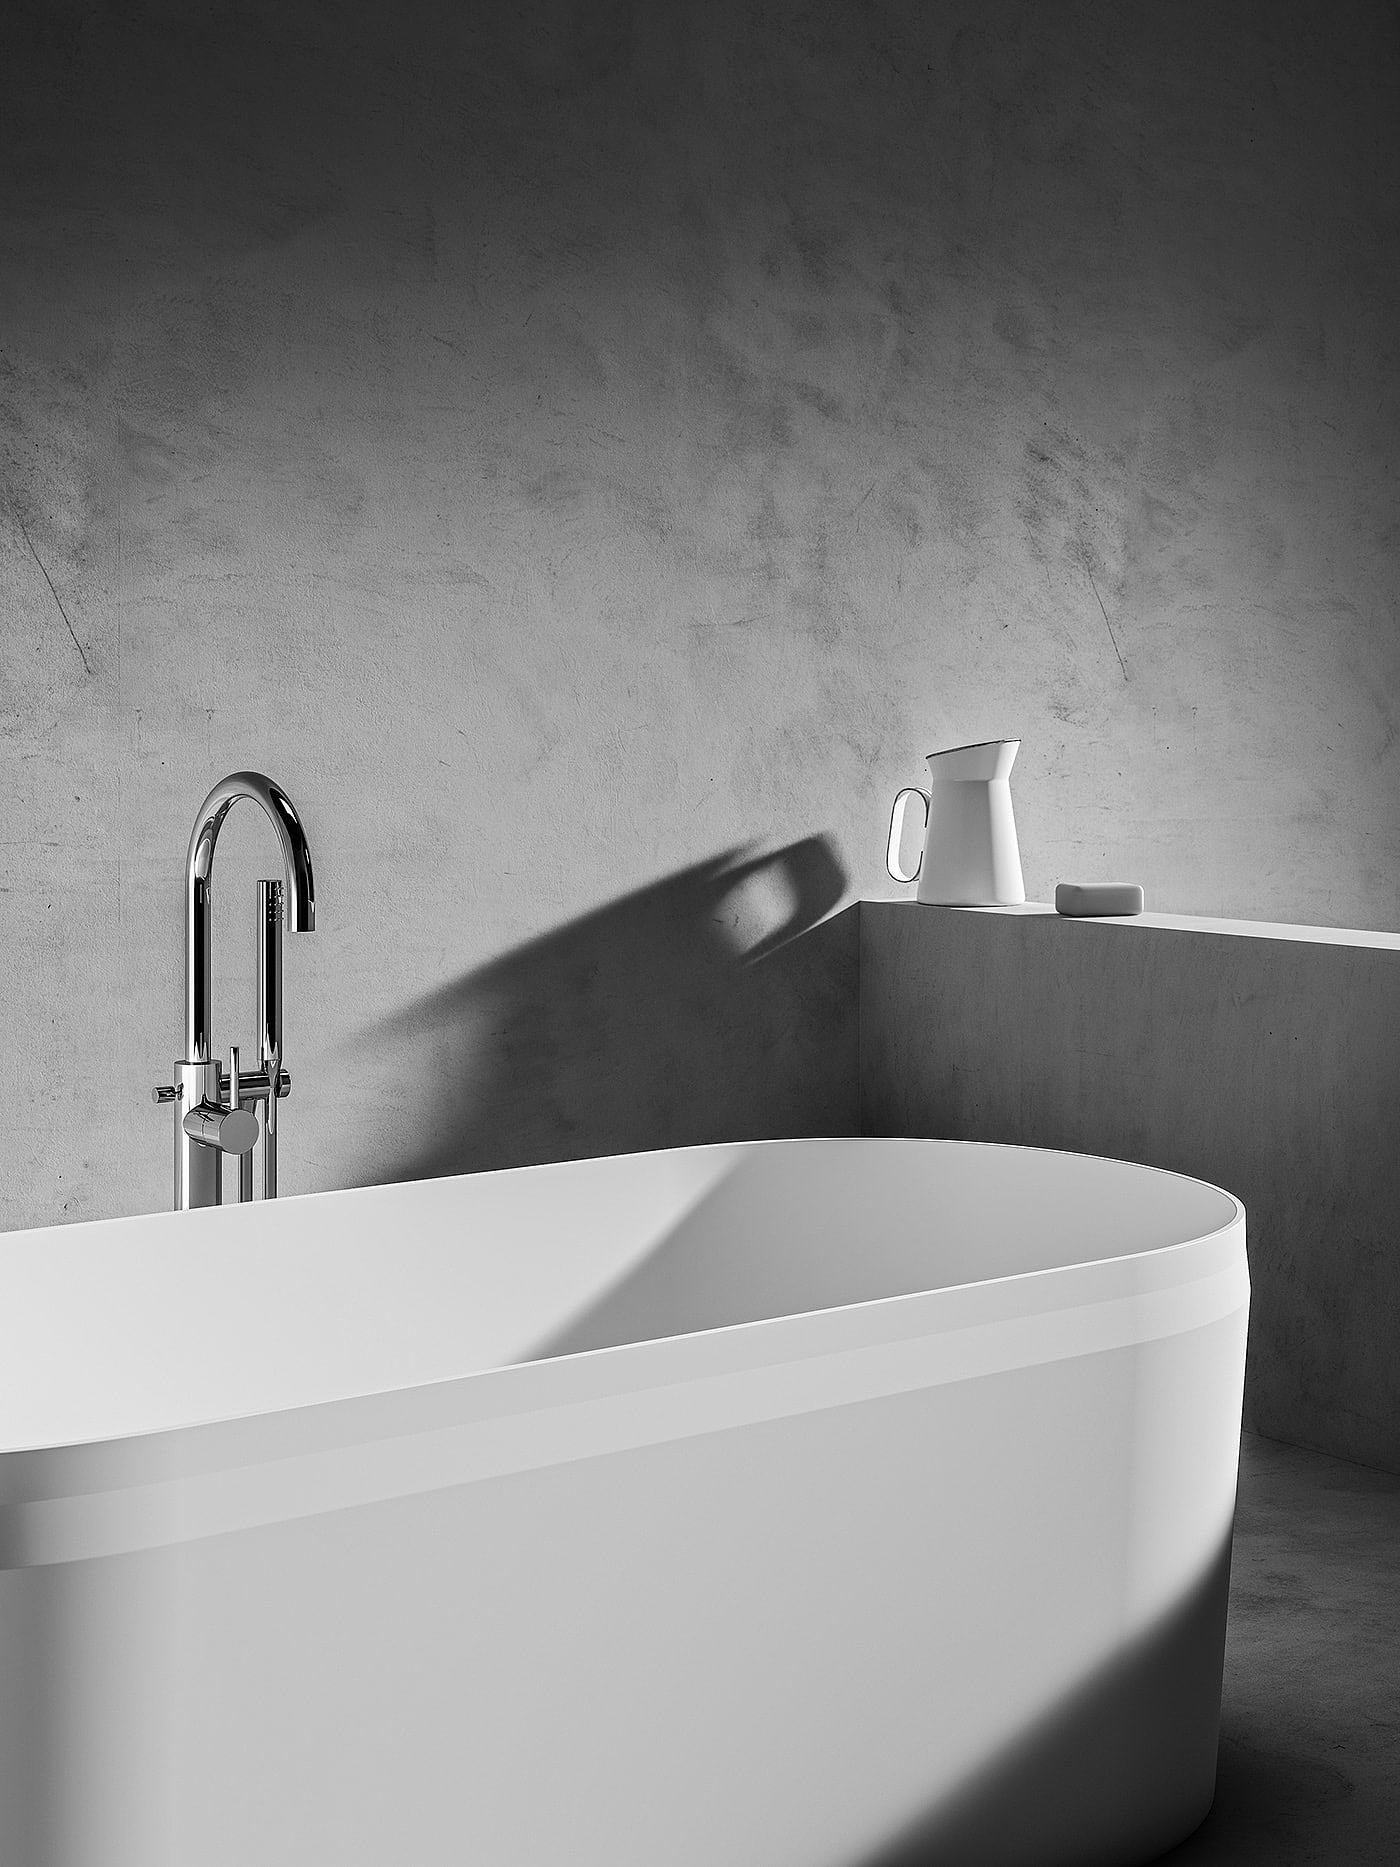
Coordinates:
<point>1077,1269</point>
<point>174,1485</point>
<point>385,1188</point>
<point>180,1485</point>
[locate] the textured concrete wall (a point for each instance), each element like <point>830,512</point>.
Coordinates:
<point>1271,1067</point>
<point>565,443</point>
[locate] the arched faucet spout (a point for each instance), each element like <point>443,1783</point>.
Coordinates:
<point>301,890</point>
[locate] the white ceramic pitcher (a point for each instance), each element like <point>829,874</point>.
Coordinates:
<point>971,858</point>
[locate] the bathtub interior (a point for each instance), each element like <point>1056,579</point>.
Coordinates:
<point>150,1324</point>
<point>801,1227</point>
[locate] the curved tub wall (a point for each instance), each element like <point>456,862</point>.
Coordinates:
<point>927,1567</point>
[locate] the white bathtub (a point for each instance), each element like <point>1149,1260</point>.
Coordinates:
<point>793,1504</point>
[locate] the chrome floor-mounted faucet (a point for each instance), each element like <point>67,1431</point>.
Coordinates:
<point>217,1115</point>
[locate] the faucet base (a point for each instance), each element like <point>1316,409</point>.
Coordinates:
<point>199,1093</point>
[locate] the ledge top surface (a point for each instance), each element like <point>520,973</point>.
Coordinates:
<point>1190,923</point>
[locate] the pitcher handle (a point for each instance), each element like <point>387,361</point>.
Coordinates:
<point>898,818</point>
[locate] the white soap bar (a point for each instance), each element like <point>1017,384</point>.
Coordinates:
<point>1081,899</point>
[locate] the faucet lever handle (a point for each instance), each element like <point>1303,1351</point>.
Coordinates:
<point>167,1092</point>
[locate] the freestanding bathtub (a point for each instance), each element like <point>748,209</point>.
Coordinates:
<point>847,1503</point>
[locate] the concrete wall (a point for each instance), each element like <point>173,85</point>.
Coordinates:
<point>566,444</point>
<point>1269,1066</point>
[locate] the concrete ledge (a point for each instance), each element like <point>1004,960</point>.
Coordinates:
<point>1192,923</point>
<point>1268,1062</point>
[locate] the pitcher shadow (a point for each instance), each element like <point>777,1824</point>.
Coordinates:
<point>717,1004</point>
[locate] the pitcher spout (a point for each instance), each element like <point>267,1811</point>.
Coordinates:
<point>988,759</point>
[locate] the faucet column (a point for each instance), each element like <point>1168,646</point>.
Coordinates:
<point>269,1034</point>
<point>198,1078</point>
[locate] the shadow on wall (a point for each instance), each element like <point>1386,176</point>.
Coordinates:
<point>718,1004</point>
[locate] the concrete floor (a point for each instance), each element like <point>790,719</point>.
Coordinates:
<point>1310,1739</point>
